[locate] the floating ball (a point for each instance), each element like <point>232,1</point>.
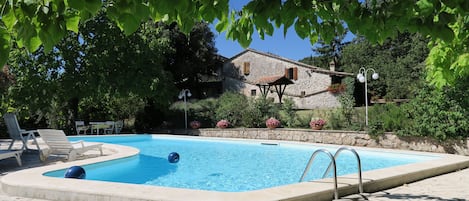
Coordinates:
<point>173,157</point>
<point>75,172</point>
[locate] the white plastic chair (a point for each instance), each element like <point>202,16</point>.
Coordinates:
<point>110,127</point>
<point>81,127</point>
<point>16,133</point>
<point>118,126</point>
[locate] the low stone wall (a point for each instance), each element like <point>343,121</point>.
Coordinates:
<point>351,138</point>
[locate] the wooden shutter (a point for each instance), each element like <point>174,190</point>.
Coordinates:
<point>295,73</point>
<point>286,73</point>
<point>246,68</point>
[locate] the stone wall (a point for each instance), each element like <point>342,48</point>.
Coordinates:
<point>349,138</point>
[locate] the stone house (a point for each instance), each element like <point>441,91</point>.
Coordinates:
<point>256,73</point>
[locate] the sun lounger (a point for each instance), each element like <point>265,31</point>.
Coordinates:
<point>16,133</point>
<point>59,144</point>
<point>4,154</point>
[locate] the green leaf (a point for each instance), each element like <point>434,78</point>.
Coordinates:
<point>159,9</point>
<point>445,33</point>
<point>76,4</point>
<point>29,2</point>
<point>128,23</point>
<point>313,38</point>
<point>93,6</point>
<point>72,21</point>
<point>9,20</point>
<point>426,7</point>
<point>27,36</point>
<point>50,34</point>
<point>4,45</point>
<point>302,28</point>
<point>222,25</point>
<point>142,11</point>
<point>85,15</point>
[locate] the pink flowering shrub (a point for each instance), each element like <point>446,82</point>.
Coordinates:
<point>317,122</point>
<point>223,123</point>
<point>272,123</point>
<point>195,124</point>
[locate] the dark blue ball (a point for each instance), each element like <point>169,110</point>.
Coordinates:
<point>75,172</point>
<point>173,157</point>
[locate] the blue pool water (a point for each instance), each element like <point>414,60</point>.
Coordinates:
<point>229,166</point>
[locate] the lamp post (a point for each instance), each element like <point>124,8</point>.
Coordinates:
<point>362,77</point>
<point>184,94</point>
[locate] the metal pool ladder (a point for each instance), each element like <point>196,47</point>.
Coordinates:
<point>332,164</point>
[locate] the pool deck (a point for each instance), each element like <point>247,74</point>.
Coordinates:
<point>27,185</point>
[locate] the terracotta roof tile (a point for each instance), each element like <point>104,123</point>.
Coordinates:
<point>273,80</point>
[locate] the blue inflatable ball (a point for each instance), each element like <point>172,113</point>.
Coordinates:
<point>173,157</point>
<point>75,172</point>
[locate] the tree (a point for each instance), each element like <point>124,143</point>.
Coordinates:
<point>328,52</point>
<point>190,56</point>
<point>34,23</point>
<point>399,63</point>
<point>100,66</point>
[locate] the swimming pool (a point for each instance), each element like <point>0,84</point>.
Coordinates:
<point>32,183</point>
<point>226,165</point>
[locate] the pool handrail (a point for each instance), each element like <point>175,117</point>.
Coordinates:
<point>360,186</point>
<point>313,156</point>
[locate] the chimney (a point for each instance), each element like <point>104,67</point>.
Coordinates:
<point>332,66</point>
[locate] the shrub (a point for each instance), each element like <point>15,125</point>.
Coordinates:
<point>439,114</point>
<point>387,117</point>
<point>253,116</point>
<point>231,106</point>
<point>288,114</point>
<point>204,111</point>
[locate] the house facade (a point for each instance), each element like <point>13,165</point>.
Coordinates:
<point>248,71</point>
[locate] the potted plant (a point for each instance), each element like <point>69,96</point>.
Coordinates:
<point>195,124</point>
<point>272,123</point>
<point>317,124</point>
<point>223,124</point>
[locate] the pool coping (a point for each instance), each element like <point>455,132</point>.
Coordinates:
<point>31,182</point>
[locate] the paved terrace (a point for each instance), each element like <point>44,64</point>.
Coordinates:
<point>452,186</point>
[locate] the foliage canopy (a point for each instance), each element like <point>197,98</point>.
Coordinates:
<point>35,23</point>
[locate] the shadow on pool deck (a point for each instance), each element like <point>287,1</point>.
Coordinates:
<point>30,159</point>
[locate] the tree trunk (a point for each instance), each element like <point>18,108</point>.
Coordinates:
<point>73,114</point>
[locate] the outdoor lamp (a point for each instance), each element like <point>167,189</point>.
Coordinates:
<point>362,78</point>
<point>184,94</point>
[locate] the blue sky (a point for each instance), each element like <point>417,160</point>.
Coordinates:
<point>290,47</point>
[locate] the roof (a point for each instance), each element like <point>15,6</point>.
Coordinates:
<point>313,68</point>
<point>273,80</point>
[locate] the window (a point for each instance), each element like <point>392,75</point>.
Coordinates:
<point>253,92</point>
<point>291,73</point>
<point>246,68</point>
<point>303,94</point>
